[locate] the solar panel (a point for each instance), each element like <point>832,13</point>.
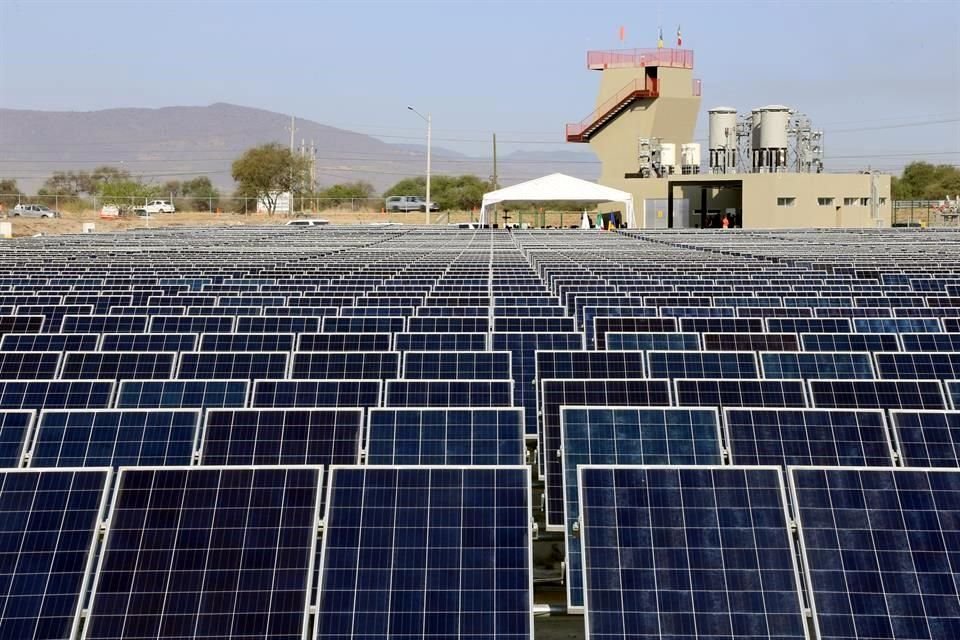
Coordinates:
<point>316,393</point>
<point>232,365</point>
<point>149,342</point>
<point>750,342</point>
<point>282,436</point>
<point>105,438</point>
<point>896,325</point>
<point>377,312</point>
<point>877,394</point>
<point>49,342</point>
<point>735,325</point>
<point>684,552</point>
<point>131,365</point>
<point>447,325</point>
<point>408,341</point>
<point>951,325</point>
<point>103,324</point>
<point>246,342</point>
<point>49,521</point>
<point>343,342</point>
<point>56,394</point>
<point>589,364</point>
<point>818,364</point>
<point>14,428</point>
<point>239,563</point>
<point>458,541</point>
<point>774,312</point>
<point>784,437</point>
<point>275,324</point>
<point>191,324</point>
<point>813,325</point>
<point>454,311</point>
<point>849,342</point>
<point>181,394</point>
<point>930,342</point>
<point>476,436</point>
<point>333,324</point>
<point>914,366</point>
<point>292,310</point>
<point>626,435</point>
<point>927,438</point>
<point>531,324</point>
<point>29,365</point>
<point>453,365</point>
<point>652,341</point>
<point>702,364</point>
<point>953,392</point>
<point>878,546</point>
<point>604,325</point>
<point>732,392</point>
<point>357,365</point>
<point>603,392</point>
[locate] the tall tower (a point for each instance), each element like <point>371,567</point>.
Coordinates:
<point>644,94</point>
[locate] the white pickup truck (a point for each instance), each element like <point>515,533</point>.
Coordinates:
<point>154,207</point>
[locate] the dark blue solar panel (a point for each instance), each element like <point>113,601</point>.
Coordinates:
<point>733,392</point>
<point>896,325</point>
<point>589,364</point>
<point>453,312</point>
<point>451,365</point>
<point>702,364</point>
<point>812,325</point>
<point>364,325</point>
<point>447,325</point>
<point>808,437</point>
<point>246,342</point>
<point>29,365</point>
<point>208,553</point>
<point>652,341</point>
<point>181,394</point>
<point>930,342</point>
<point>91,365</point>
<point>953,392</point>
<point>477,436</point>
<point>449,393</point>
<point>49,342</point>
<point>438,552</point>
<point>56,394</point>
<point>299,311</point>
<point>531,324</point>
<point>597,393</point>
<point>104,324</point>
<point>191,324</point>
<point>951,325</point>
<point>48,527</point>
<point>316,393</point>
<point>103,437</point>
<point>915,366</point>
<point>750,342</point>
<point>602,325</point>
<point>824,365</point>
<point>737,325</point>
<point>928,438</point>
<point>440,341</point>
<point>343,342</point>
<point>688,553</point>
<point>877,394</point>
<point>14,426</point>
<point>697,312</point>
<point>149,342</point>
<point>282,436</point>
<point>590,313</point>
<point>358,365</point>
<point>880,548</point>
<point>378,312</point>
<point>774,312</point>
<point>235,365</point>
<point>610,435</point>
<point>849,342</point>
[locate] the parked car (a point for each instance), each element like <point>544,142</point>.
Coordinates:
<point>314,222</point>
<point>34,211</point>
<point>409,203</point>
<point>154,207</point>
<point>108,211</point>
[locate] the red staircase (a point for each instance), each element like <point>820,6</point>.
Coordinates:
<point>638,89</point>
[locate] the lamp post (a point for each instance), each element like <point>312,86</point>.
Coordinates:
<point>427,119</point>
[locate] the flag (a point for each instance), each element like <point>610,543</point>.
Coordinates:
<point>660,39</point>
<point>679,38</point>
<point>622,33</point>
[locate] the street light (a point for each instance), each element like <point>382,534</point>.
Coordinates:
<point>426,118</point>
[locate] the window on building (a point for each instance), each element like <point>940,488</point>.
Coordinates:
<point>864,202</point>
<point>851,202</point>
<point>825,202</point>
<point>883,201</point>
<point>786,202</point>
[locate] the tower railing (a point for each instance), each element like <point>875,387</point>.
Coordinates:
<point>620,58</point>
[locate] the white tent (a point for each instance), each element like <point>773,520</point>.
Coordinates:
<point>557,186</point>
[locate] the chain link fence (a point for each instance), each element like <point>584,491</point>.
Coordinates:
<point>926,213</point>
<point>225,204</point>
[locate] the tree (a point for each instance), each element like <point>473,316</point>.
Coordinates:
<point>449,192</point>
<point>126,193</point>
<point>269,170</point>
<point>9,193</point>
<point>924,181</point>
<point>204,195</point>
<point>339,193</point>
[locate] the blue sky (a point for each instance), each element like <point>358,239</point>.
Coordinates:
<point>881,78</point>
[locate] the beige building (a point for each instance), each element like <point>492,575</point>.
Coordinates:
<point>651,95</point>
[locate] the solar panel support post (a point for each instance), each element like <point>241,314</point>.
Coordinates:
<point>669,206</point>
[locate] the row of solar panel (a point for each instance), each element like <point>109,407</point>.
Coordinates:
<point>235,552</point>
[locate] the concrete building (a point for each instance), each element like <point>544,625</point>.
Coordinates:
<point>762,170</point>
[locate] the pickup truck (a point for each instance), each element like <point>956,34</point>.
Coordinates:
<point>154,207</point>
<point>409,203</point>
<point>33,211</point>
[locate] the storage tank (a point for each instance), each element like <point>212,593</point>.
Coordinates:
<point>668,157</point>
<point>723,139</point>
<point>770,142</point>
<point>690,158</point>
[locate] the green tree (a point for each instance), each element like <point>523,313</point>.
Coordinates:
<point>345,192</point>
<point>925,181</point>
<point>269,170</point>
<point>127,194</point>
<point>9,193</point>
<point>204,196</point>
<point>449,192</point>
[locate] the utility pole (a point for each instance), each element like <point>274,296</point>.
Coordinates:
<point>494,162</point>
<point>293,128</point>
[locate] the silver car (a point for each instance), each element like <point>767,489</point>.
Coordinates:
<point>34,211</point>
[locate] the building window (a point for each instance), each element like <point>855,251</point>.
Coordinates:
<point>851,202</point>
<point>883,201</point>
<point>786,202</point>
<point>864,202</point>
<point>825,202</point>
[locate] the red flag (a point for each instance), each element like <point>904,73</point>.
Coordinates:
<point>622,33</point>
<point>679,38</point>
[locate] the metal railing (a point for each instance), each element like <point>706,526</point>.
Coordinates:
<point>647,84</point>
<point>619,58</point>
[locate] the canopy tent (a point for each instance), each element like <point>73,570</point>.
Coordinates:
<point>557,186</point>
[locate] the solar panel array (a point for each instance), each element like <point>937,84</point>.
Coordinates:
<point>344,433</point>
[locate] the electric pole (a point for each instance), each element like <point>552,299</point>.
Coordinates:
<point>293,129</point>
<point>494,162</point>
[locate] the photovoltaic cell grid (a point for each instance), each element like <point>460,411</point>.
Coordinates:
<point>56,394</point>
<point>476,436</point>
<point>48,523</point>
<point>343,342</point>
<point>449,393</point>
<point>877,394</point>
<point>452,545</point>
<point>707,392</point>
<point>247,342</point>
<point>880,548</point>
<point>208,553</point>
<point>916,366</point>
<point>823,365</point>
<point>702,364</point>
<point>14,427</point>
<point>49,342</point>
<point>406,341</point>
<point>282,436</point>
<point>820,437</point>
<point>181,394</point>
<point>953,392</point>
<point>114,438</point>
<point>221,365</point>
<point>927,438</point>
<point>316,393</point>
<point>598,392</point>
<point>363,365</point>
<point>129,365</point>
<point>454,365</point>
<point>849,342</point>
<point>652,341</point>
<point>149,342</point>
<point>29,365</point>
<point>627,436</point>
<point>683,552</point>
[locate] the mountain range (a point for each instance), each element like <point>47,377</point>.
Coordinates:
<point>183,142</point>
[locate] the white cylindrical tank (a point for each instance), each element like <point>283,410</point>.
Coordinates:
<point>690,158</point>
<point>668,154</point>
<point>755,128</point>
<point>774,121</point>
<point>723,127</point>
